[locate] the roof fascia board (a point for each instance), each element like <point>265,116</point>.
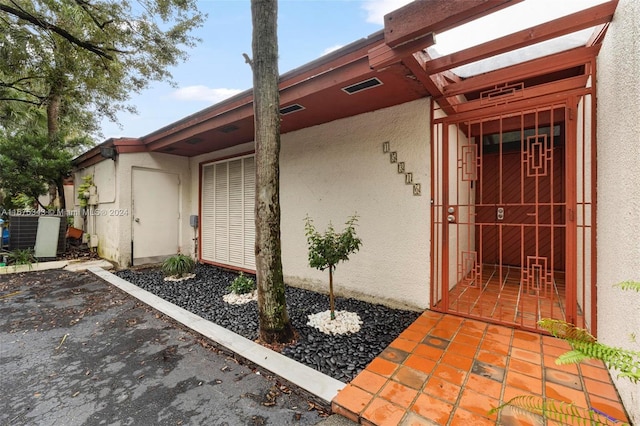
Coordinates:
<point>92,152</point>
<point>188,131</point>
<point>535,67</point>
<point>290,93</point>
<point>419,18</point>
<point>242,100</point>
<point>590,17</point>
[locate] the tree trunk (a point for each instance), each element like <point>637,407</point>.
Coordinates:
<point>272,308</point>
<point>331,302</point>
<point>53,114</point>
<point>53,130</point>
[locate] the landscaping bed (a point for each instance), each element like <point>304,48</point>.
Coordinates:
<point>341,357</point>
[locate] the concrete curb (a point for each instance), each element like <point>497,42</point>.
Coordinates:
<point>312,381</point>
<point>75,265</point>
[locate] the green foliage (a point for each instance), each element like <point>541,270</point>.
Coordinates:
<point>629,285</point>
<point>83,188</point>
<point>559,411</point>
<point>29,163</point>
<point>328,249</point>
<point>242,285</point>
<point>178,266</point>
<point>82,60</point>
<point>585,346</point>
<point>22,257</point>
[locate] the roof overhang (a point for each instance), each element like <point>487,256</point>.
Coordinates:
<point>398,59</point>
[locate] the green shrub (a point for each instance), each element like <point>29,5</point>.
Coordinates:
<point>242,285</point>
<point>178,265</point>
<point>328,249</point>
<point>22,257</point>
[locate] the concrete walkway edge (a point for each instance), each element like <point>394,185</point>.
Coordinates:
<point>312,381</point>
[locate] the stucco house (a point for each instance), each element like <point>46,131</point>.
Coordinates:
<point>499,182</point>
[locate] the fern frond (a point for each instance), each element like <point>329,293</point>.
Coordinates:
<point>629,285</point>
<point>571,357</point>
<point>565,330</point>
<point>559,411</point>
<point>625,361</point>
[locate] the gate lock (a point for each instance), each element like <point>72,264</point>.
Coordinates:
<point>451,217</point>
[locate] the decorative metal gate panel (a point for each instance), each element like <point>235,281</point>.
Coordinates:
<point>512,214</point>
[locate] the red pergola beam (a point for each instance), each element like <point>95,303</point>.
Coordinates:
<point>535,67</point>
<point>417,19</point>
<point>382,56</point>
<point>433,83</point>
<point>565,85</point>
<point>591,17</point>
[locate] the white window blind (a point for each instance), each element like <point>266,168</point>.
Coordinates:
<point>227,212</point>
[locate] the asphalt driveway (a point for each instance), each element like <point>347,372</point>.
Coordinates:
<point>76,351</point>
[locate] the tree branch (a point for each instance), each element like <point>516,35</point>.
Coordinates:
<point>60,31</point>
<point>21,100</point>
<point>85,6</point>
<point>248,60</point>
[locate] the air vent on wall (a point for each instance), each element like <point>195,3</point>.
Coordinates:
<point>291,109</point>
<point>363,85</point>
<point>228,129</point>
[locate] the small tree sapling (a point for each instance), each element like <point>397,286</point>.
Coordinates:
<point>328,249</point>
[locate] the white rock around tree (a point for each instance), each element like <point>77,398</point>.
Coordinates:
<point>240,299</point>
<point>175,278</point>
<point>345,322</point>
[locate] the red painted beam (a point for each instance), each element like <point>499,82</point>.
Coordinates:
<point>382,56</point>
<point>417,19</point>
<point>591,17</point>
<point>535,67</point>
<point>433,83</point>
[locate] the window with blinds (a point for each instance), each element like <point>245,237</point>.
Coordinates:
<point>227,229</point>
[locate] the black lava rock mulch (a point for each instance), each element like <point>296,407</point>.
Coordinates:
<point>341,357</point>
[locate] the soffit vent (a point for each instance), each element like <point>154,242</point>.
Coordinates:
<point>228,129</point>
<point>363,85</point>
<point>194,141</point>
<point>291,109</point>
<point>169,149</point>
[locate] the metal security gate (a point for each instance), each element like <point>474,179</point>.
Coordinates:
<point>512,214</point>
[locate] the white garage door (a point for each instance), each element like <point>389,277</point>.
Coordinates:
<point>227,217</point>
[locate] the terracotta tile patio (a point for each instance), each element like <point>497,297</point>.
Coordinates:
<point>448,370</point>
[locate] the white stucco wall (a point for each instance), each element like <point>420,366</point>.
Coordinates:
<point>107,227</point>
<point>618,89</point>
<point>113,182</point>
<point>336,169</point>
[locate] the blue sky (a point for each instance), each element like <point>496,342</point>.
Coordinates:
<point>307,29</point>
<point>216,69</point>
